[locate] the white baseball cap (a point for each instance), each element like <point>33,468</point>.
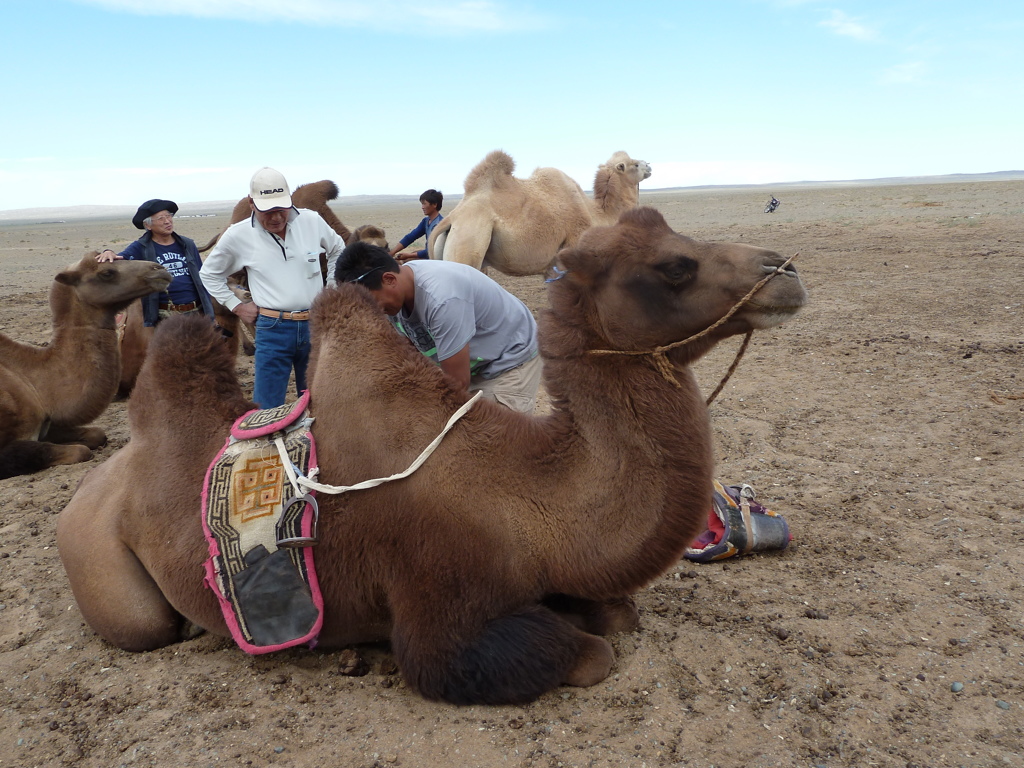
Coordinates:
<point>268,189</point>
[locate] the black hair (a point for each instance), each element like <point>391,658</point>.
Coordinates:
<point>364,263</point>
<point>432,196</point>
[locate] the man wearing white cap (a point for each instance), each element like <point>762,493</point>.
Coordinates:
<point>279,246</point>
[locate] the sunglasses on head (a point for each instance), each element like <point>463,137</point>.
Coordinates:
<point>364,275</point>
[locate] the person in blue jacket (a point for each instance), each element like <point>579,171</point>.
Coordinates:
<point>430,202</point>
<point>175,253</point>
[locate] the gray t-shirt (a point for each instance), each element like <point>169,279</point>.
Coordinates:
<point>457,305</point>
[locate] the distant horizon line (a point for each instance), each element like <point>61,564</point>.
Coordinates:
<point>91,210</point>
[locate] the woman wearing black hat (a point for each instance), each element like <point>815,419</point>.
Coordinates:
<point>175,253</point>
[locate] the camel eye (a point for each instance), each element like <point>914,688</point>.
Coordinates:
<point>679,271</point>
<point>107,275</point>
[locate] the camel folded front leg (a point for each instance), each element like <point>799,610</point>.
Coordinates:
<point>512,659</point>
<point>598,617</point>
<point>116,595</point>
<point>23,457</point>
<point>90,437</point>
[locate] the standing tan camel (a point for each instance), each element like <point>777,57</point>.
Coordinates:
<point>48,393</point>
<point>518,226</point>
<point>492,568</point>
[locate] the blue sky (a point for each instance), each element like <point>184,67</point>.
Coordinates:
<point>111,102</point>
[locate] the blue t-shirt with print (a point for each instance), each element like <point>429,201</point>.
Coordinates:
<point>181,290</point>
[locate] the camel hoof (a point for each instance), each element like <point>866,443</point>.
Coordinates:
<point>593,664</point>
<point>191,630</point>
<point>69,454</point>
<point>93,437</point>
<point>606,617</point>
<point>620,616</point>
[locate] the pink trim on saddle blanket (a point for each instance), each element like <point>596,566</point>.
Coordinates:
<point>288,415</point>
<point>211,577</point>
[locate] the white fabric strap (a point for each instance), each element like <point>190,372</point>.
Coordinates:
<point>288,466</point>
<point>309,483</point>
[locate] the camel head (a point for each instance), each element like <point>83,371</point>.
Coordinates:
<point>112,286</point>
<point>639,285</point>
<point>634,171</point>
<point>370,233</point>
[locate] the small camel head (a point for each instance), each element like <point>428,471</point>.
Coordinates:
<point>635,171</point>
<point>639,285</point>
<point>112,286</point>
<point>372,234</point>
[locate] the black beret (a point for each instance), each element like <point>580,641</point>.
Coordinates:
<point>150,207</point>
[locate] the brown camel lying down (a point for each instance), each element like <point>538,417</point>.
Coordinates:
<point>491,568</point>
<point>48,393</point>
<point>518,226</point>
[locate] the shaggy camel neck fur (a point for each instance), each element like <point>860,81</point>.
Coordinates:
<point>493,569</point>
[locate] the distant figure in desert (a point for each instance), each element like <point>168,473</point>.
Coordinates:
<point>430,203</point>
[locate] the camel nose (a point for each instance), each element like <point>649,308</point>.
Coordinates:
<point>773,263</point>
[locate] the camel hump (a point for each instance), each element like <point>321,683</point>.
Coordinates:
<point>324,190</point>
<point>496,167</point>
<point>644,218</point>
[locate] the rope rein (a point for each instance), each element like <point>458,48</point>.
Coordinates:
<point>661,361</point>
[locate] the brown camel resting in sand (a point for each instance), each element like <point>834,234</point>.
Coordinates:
<point>48,393</point>
<point>518,226</point>
<point>493,569</point>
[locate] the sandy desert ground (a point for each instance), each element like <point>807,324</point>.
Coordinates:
<point>886,422</point>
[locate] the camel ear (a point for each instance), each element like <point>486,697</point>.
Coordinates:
<point>581,265</point>
<point>69,277</point>
<point>620,167</point>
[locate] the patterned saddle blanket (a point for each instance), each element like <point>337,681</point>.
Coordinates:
<point>261,532</point>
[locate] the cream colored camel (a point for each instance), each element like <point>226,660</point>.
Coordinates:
<point>491,569</point>
<point>518,226</point>
<point>47,393</point>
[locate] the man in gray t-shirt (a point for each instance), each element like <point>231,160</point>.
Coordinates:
<point>479,333</point>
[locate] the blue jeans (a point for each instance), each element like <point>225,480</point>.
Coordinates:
<point>280,346</point>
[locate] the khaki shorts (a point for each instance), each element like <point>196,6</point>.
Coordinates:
<point>516,388</point>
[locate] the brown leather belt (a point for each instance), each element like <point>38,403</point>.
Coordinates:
<point>302,315</point>
<point>180,307</point>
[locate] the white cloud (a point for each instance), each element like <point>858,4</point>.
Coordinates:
<point>845,26</point>
<point>467,15</point>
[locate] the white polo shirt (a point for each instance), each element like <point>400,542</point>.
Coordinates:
<point>283,274</point>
